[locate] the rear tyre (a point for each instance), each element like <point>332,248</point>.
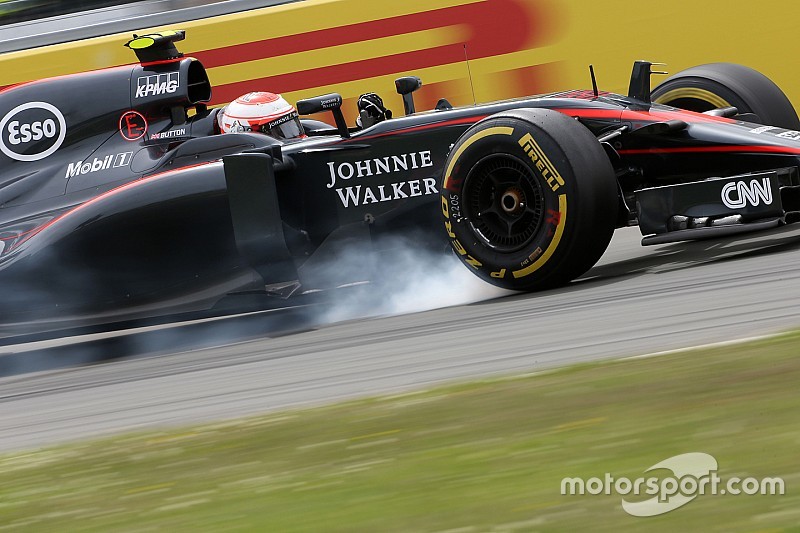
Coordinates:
<point>716,85</point>
<point>529,199</point>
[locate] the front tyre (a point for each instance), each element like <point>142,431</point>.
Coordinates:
<point>715,85</point>
<point>529,199</point>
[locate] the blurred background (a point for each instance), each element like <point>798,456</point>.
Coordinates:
<point>14,11</point>
<point>465,51</point>
<point>27,24</point>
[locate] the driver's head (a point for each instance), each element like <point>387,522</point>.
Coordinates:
<point>261,112</point>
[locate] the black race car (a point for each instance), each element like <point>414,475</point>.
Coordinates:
<point>120,200</point>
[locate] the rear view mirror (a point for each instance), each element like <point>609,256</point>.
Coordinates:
<point>327,102</point>
<point>405,87</point>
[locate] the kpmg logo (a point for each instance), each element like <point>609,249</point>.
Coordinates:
<point>157,84</point>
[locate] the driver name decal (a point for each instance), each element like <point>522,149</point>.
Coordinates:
<point>32,131</point>
<point>171,134</point>
<point>341,174</point>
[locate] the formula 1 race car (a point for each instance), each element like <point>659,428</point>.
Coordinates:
<point>120,200</point>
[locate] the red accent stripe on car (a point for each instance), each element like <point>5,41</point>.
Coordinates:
<point>761,149</point>
<point>163,61</point>
<point>686,116</point>
<point>63,76</point>
<point>652,115</point>
<point>579,112</point>
<point>111,192</point>
<point>454,122</point>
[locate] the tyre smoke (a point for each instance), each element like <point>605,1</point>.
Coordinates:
<point>353,281</point>
<point>405,278</point>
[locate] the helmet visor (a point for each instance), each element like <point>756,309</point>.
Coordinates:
<point>286,127</point>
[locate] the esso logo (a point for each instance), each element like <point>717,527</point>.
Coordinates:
<point>32,131</point>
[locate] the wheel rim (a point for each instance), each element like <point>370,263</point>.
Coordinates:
<point>692,99</point>
<point>503,202</point>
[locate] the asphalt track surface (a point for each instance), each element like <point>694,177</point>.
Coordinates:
<point>635,301</point>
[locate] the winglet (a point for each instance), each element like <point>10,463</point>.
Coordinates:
<point>639,88</point>
<point>156,46</point>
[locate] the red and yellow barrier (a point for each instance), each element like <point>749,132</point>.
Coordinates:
<point>464,50</point>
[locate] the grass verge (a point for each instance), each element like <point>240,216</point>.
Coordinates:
<point>485,456</point>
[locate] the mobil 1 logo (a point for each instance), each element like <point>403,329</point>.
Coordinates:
<point>32,131</point>
<point>108,162</point>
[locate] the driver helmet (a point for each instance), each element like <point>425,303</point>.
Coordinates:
<point>261,112</point>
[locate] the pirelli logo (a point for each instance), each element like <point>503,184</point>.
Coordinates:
<point>542,163</point>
